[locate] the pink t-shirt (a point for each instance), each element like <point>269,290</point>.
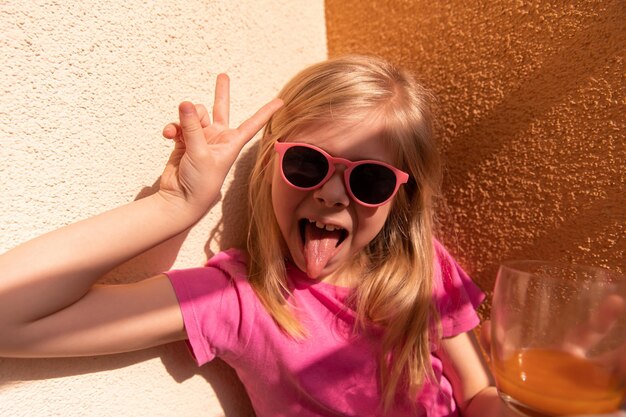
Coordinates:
<point>333,372</point>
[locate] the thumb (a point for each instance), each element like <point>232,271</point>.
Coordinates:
<point>191,127</point>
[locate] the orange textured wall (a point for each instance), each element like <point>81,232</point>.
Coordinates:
<point>531,119</point>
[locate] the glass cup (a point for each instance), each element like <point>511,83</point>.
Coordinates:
<point>558,343</point>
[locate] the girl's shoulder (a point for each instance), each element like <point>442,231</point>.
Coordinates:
<point>218,292</point>
<point>456,295</point>
<point>224,268</point>
<point>447,269</point>
<point>230,258</point>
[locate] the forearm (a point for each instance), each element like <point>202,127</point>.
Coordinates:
<point>56,269</point>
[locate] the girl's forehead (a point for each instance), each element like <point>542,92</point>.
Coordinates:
<point>351,140</point>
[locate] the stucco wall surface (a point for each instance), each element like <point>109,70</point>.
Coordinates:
<point>531,118</point>
<point>86,89</point>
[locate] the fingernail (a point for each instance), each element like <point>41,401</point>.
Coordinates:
<point>186,107</point>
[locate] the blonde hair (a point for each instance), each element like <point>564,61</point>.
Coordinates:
<point>396,290</point>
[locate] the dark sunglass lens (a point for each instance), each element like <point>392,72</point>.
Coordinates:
<point>304,167</point>
<point>372,183</point>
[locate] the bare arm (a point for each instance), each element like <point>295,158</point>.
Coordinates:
<point>470,377</point>
<point>47,302</point>
<point>49,305</point>
<point>107,319</point>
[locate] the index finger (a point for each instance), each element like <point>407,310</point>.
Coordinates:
<point>250,127</point>
<point>221,103</point>
<point>191,128</point>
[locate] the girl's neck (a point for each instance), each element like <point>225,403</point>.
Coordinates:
<point>346,276</point>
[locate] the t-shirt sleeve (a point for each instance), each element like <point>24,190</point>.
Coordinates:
<point>456,295</point>
<point>211,300</point>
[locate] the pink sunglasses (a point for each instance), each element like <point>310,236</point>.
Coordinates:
<point>307,167</point>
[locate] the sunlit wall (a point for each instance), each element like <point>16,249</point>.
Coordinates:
<point>86,89</point>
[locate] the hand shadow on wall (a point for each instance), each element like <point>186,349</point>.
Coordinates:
<point>174,356</point>
<point>232,229</point>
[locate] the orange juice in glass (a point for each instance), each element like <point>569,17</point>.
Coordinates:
<point>559,338</point>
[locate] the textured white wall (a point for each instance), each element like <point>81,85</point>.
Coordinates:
<point>86,89</point>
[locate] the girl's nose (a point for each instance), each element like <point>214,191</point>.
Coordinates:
<point>333,192</point>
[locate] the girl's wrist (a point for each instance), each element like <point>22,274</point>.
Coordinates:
<point>179,209</point>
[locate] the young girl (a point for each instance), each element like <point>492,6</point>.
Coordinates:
<point>343,304</point>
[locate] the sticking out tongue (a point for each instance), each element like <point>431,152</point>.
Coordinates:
<point>319,246</point>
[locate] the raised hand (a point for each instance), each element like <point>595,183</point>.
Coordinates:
<point>206,148</point>
<point>67,315</point>
<point>600,322</point>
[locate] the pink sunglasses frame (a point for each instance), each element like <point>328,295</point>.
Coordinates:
<point>401,176</point>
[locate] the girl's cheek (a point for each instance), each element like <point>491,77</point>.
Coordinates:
<point>370,223</point>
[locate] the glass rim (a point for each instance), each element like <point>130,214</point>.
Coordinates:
<point>531,266</point>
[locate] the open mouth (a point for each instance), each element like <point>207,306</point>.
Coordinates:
<point>320,230</point>
<point>320,243</point>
